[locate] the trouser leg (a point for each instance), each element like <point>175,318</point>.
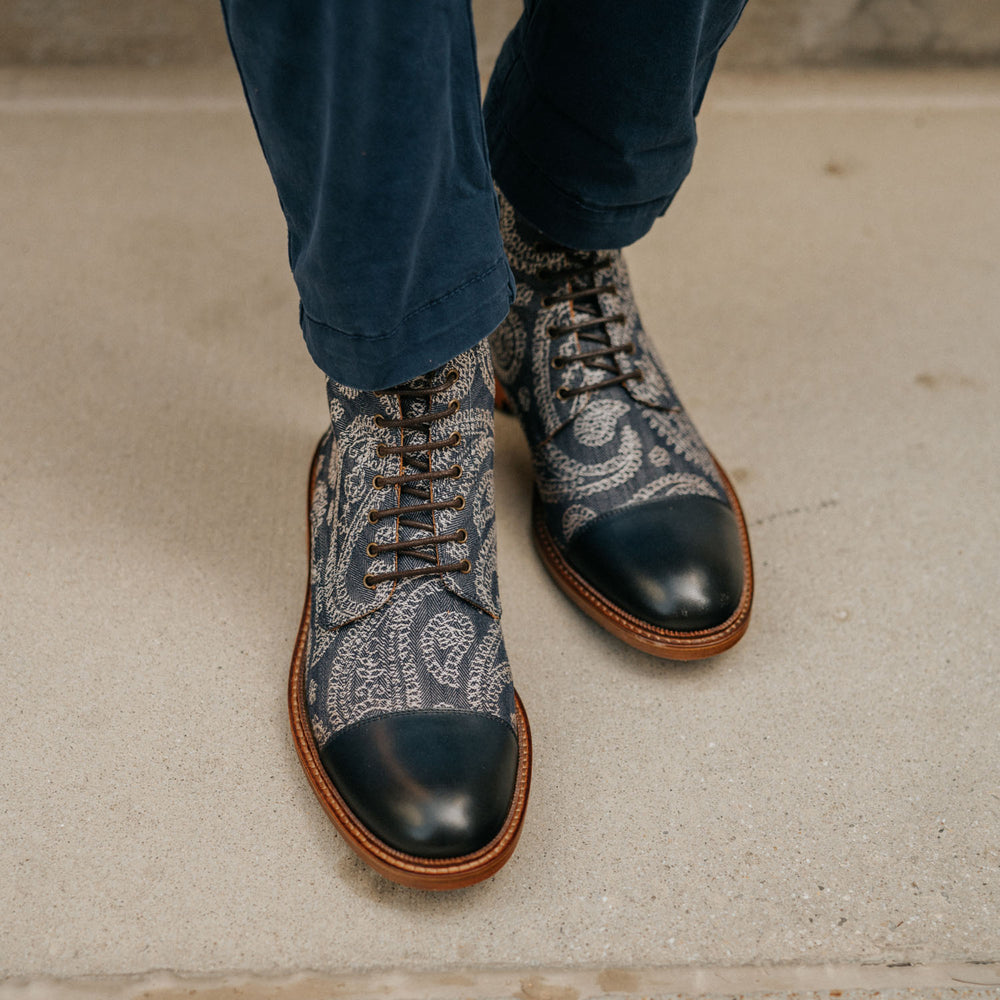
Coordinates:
<point>369,117</point>
<point>591,111</point>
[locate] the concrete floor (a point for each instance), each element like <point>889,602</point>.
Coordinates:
<point>823,800</point>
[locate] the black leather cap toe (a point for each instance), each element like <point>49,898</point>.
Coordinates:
<point>675,562</point>
<point>435,784</point>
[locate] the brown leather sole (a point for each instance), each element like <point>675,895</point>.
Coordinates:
<point>406,869</point>
<point>649,638</point>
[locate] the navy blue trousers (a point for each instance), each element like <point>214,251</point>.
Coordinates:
<point>370,117</point>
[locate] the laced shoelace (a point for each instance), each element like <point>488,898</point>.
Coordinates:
<point>593,329</point>
<point>417,482</point>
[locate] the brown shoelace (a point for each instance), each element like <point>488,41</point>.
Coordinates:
<point>593,328</point>
<point>417,482</point>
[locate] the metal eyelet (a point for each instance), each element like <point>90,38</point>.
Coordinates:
<point>373,517</point>
<point>562,394</point>
<point>455,439</point>
<point>459,503</point>
<point>558,363</point>
<point>640,375</point>
<point>455,405</point>
<point>380,450</point>
<point>546,302</point>
<point>378,420</point>
<point>372,550</point>
<point>453,375</point>
<point>378,483</point>
<point>465,566</point>
<point>455,471</point>
<point>368,581</point>
<point>463,536</point>
<point>630,349</point>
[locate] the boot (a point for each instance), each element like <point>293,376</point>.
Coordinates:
<point>402,706</point>
<point>632,515</point>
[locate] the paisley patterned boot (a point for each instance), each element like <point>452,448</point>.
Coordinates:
<point>632,515</point>
<point>402,707</point>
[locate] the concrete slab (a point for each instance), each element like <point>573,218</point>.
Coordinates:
<point>825,292</point>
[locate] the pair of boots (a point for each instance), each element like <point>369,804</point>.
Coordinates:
<point>403,710</point>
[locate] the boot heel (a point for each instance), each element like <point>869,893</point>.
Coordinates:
<point>501,399</point>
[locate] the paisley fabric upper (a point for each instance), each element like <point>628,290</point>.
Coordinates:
<point>594,451</point>
<point>427,642</point>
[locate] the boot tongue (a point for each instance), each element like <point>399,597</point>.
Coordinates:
<point>562,258</point>
<point>588,307</point>
<point>545,255</point>
<point>418,524</point>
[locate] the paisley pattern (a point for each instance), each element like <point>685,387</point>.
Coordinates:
<point>600,449</point>
<point>422,642</point>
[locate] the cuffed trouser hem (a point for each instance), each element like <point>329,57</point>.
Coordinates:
<point>426,339</point>
<point>556,213</point>
<point>591,119</point>
<point>518,118</point>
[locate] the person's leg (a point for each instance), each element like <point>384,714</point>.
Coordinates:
<point>368,114</point>
<point>402,706</point>
<point>591,108</point>
<point>590,115</point>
